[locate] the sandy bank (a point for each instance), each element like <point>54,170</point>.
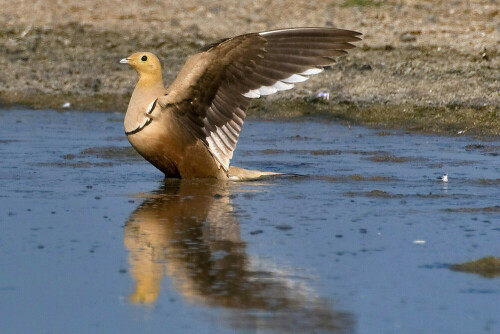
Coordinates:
<point>422,65</point>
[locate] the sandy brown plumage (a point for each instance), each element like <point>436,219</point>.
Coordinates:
<point>190,130</point>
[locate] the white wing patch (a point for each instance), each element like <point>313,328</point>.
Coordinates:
<point>285,84</point>
<point>279,85</point>
<point>295,78</point>
<point>252,94</point>
<point>151,106</point>
<point>264,33</point>
<point>218,144</point>
<point>312,71</point>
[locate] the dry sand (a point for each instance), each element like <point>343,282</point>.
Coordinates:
<point>431,66</point>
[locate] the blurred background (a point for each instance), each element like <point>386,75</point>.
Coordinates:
<point>422,65</point>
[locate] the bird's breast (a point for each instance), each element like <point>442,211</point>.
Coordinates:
<point>174,151</point>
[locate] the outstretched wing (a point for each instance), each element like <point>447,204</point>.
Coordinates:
<point>213,90</point>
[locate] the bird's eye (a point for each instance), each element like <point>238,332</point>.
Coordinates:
<point>144,58</point>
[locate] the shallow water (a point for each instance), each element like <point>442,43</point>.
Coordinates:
<point>95,241</point>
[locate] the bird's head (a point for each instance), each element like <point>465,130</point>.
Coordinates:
<point>145,63</point>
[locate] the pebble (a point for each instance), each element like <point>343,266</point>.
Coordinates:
<point>407,37</point>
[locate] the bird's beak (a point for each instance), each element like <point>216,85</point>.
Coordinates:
<point>125,61</point>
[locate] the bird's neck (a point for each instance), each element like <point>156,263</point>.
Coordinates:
<point>149,88</point>
<point>149,81</point>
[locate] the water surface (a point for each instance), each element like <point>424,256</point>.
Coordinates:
<point>94,240</point>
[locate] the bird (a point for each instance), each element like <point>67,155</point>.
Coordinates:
<point>190,129</point>
<point>443,178</point>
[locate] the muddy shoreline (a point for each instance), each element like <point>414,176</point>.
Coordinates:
<point>415,69</point>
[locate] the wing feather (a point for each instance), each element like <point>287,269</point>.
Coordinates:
<point>213,90</point>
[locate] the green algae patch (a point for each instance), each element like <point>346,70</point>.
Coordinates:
<point>489,182</point>
<point>357,177</point>
<point>488,267</point>
<point>112,153</point>
<point>302,152</point>
<point>393,158</point>
<point>488,209</point>
<point>384,194</point>
<point>452,119</point>
<point>73,164</point>
<point>374,194</point>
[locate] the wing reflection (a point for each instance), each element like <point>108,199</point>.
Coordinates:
<point>188,231</point>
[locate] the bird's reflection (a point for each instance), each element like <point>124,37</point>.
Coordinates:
<point>188,231</point>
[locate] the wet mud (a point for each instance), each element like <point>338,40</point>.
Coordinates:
<point>487,266</point>
<point>430,67</point>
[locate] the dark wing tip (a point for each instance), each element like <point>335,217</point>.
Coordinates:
<point>336,31</point>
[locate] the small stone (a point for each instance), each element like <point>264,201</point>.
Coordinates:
<point>407,37</point>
